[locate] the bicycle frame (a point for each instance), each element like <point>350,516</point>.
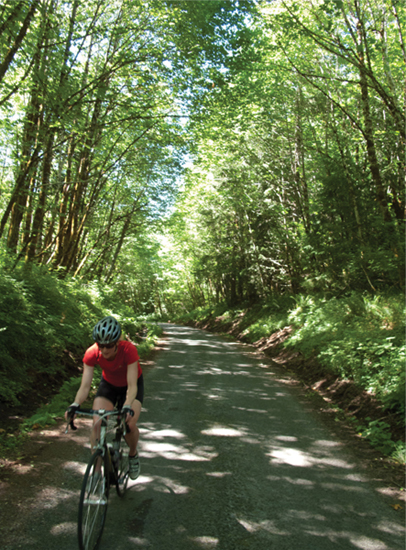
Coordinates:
<point>120,431</point>
<point>107,465</point>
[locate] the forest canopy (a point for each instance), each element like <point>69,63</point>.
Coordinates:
<point>232,161</point>
<point>191,152</point>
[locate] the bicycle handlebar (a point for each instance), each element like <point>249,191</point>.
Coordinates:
<point>92,412</point>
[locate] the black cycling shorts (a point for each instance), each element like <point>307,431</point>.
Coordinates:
<point>117,395</point>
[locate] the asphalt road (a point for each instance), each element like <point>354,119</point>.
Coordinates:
<point>231,459</point>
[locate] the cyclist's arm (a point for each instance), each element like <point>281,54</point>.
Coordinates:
<point>132,383</point>
<point>85,385</point>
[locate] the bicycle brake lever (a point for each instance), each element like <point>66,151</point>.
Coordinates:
<point>72,426</point>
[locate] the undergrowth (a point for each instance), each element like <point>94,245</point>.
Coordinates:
<point>43,320</point>
<point>49,413</point>
<point>42,317</point>
<point>358,337</point>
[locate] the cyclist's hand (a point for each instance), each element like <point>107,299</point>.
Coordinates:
<point>71,410</point>
<point>127,411</point>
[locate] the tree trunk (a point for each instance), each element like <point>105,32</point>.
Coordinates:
<point>19,39</point>
<point>368,125</point>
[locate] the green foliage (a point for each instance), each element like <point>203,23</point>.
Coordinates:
<point>48,413</point>
<point>153,333</point>
<point>359,337</point>
<point>262,321</point>
<point>378,434</point>
<point>204,313</point>
<point>42,317</point>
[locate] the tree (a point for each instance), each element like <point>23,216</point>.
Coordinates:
<point>303,149</point>
<point>102,123</point>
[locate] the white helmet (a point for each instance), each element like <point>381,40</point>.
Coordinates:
<point>107,331</point>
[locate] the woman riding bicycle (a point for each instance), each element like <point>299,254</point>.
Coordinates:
<point>122,383</point>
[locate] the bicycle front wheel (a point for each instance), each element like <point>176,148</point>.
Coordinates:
<point>93,502</point>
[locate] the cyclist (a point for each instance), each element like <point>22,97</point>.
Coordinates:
<point>122,383</point>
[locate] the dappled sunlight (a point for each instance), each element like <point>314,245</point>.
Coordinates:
<point>305,515</point>
<point>339,485</point>
<point>177,452</point>
<point>304,459</point>
<point>22,469</point>
<point>259,411</point>
<point>293,457</point>
<point>303,483</point>
<point>141,480</point>
<point>213,371</point>
<point>356,541</point>
<point>288,438</point>
<point>51,497</point>
<point>223,431</point>
<point>229,460</point>
<point>363,542</point>
<point>139,542</point>
<point>390,527</point>
<point>191,386</point>
<point>267,525</point>
<point>326,443</point>
<point>161,484</point>
<point>165,433</point>
<point>205,541</point>
<point>69,527</point>
<point>76,467</point>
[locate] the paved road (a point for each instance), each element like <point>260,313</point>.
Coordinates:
<point>231,460</point>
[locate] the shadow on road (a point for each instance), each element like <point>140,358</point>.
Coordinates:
<point>231,460</point>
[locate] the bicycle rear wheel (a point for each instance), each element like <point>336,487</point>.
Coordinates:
<point>93,502</point>
<point>122,474</point>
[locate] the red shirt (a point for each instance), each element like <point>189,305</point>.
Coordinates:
<point>114,372</point>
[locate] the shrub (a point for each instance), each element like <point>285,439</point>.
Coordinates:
<point>357,337</point>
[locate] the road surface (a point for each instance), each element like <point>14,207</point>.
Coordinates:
<point>231,460</point>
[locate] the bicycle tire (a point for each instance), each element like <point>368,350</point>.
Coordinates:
<point>93,502</point>
<point>123,473</point>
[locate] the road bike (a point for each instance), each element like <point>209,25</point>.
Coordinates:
<point>107,466</point>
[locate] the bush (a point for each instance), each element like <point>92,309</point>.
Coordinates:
<point>41,317</point>
<point>357,337</point>
<point>48,413</point>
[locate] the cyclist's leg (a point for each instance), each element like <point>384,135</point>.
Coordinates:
<point>133,436</point>
<point>99,403</point>
<point>132,441</point>
<point>105,399</point>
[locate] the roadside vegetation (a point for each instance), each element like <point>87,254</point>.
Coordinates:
<point>45,327</point>
<point>356,338</point>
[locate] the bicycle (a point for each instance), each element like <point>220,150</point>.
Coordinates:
<point>108,465</point>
